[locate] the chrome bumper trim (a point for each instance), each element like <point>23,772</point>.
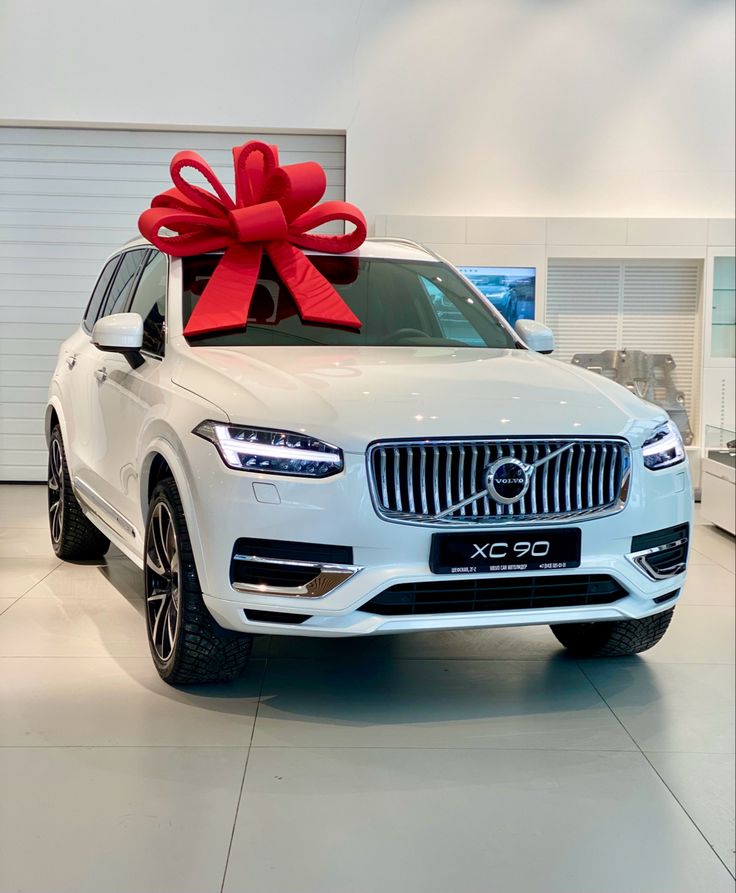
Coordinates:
<point>328,578</point>
<point>640,560</point>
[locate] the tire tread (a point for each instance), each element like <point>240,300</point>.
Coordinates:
<point>616,638</point>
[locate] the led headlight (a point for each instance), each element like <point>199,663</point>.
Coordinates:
<point>272,452</point>
<point>664,447</point>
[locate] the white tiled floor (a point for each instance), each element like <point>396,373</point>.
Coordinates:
<point>466,762</point>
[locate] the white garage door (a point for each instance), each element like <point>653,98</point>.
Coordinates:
<point>68,198</point>
<point>648,305</point>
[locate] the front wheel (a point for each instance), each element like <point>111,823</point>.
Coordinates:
<point>615,638</point>
<point>187,645</point>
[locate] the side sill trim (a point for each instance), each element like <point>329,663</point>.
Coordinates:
<point>97,504</point>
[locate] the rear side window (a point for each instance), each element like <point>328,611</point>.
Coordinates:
<point>98,295</point>
<point>125,277</point>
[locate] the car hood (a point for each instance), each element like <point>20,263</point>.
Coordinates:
<point>351,396</point>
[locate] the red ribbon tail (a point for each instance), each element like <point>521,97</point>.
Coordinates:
<point>315,298</point>
<point>225,302</point>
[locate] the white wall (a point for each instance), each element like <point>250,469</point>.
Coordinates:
<point>533,241</point>
<point>462,107</point>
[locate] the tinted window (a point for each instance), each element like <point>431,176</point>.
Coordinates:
<point>400,303</point>
<point>98,295</point>
<point>453,323</point>
<point>123,282</point>
<point>150,301</point>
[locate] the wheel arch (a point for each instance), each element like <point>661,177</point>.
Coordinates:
<point>162,459</point>
<point>54,414</point>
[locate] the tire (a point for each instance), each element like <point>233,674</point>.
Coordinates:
<point>616,638</point>
<point>187,645</point>
<point>73,537</point>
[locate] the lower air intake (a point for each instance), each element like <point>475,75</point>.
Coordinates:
<point>472,594</point>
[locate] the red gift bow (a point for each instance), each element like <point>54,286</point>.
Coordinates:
<point>274,209</point>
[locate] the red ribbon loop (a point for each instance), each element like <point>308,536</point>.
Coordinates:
<point>259,223</point>
<point>274,210</point>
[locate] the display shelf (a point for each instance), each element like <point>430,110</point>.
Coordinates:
<point>723,319</point>
<point>718,379</point>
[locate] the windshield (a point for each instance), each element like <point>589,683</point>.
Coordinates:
<point>398,302</point>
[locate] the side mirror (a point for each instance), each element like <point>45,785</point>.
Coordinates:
<point>120,333</point>
<point>535,335</point>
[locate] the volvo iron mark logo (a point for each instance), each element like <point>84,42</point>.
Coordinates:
<point>508,480</point>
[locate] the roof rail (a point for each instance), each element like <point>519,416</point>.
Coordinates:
<point>410,242</point>
<point>396,239</point>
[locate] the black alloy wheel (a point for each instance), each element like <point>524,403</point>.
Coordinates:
<point>56,491</point>
<point>162,582</point>
<point>73,536</point>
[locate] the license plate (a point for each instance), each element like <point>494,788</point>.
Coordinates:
<point>520,550</point>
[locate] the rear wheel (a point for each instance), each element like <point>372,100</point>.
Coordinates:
<point>72,535</point>
<point>187,645</point>
<point>615,638</point>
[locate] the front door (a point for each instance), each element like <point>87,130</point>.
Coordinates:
<point>126,395</point>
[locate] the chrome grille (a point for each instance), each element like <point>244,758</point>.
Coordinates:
<point>444,481</point>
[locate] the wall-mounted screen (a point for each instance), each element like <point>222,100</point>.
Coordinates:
<point>509,289</point>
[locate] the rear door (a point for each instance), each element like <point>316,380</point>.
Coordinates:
<point>72,372</point>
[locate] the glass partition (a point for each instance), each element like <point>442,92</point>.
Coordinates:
<point>723,324</point>
<point>720,445</point>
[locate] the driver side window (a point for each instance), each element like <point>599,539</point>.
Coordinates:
<point>150,301</point>
<point>123,282</point>
<point>451,321</point>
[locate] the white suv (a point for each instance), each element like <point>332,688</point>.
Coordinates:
<point>431,471</point>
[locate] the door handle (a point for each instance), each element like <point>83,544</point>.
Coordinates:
<point>71,361</point>
<point>101,374</point>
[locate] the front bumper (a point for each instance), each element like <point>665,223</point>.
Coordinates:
<point>339,511</point>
